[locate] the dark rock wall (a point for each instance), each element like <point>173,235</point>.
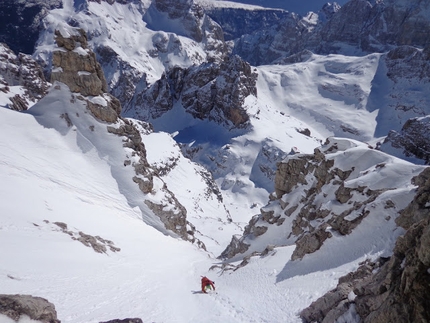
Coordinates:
<point>214,91</point>
<point>20,22</point>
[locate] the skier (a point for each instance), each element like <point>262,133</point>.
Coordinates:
<point>207,283</point>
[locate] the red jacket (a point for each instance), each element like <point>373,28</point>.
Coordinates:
<point>206,281</point>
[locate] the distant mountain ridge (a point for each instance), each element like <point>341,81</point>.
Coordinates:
<point>357,28</point>
<point>297,6</point>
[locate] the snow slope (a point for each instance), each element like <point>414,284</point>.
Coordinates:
<point>51,173</point>
<point>74,175</point>
<point>242,161</point>
<point>329,92</point>
<point>328,95</point>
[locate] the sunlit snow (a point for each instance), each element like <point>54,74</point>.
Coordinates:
<point>54,174</point>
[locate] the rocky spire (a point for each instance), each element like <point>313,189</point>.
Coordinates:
<point>76,66</point>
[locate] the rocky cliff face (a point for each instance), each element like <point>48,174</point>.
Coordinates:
<point>281,40</point>
<point>413,141</point>
<point>403,19</point>
<point>174,33</point>
<point>21,22</point>
<point>194,22</point>
<point>407,62</point>
<point>21,71</point>
<point>357,27</point>
<point>121,76</point>
<point>215,91</point>
<point>380,25</point>
<point>408,72</point>
<point>389,290</point>
<point>377,26</point>
<point>75,65</point>
<point>236,22</point>
<point>318,196</point>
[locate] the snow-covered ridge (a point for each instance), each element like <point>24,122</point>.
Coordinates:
<point>210,4</point>
<point>332,199</point>
<point>300,7</point>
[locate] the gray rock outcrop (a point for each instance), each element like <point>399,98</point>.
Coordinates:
<point>378,26</point>
<point>97,243</point>
<point>315,199</point>
<point>278,41</point>
<point>236,22</point>
<point>393,289</point>
<point>263,171</point>
<point>170,211</point>
<point>129,320</point>
<point>407,62</point>
<point>36,308</point>
<point>217,92</point>
<point>75,65</point>
<point>151,102</point>
<point>214,91</point>
<point>122,86</point>
<point>398,92</point>
<point>236,246</point>
<point>337,302</point>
